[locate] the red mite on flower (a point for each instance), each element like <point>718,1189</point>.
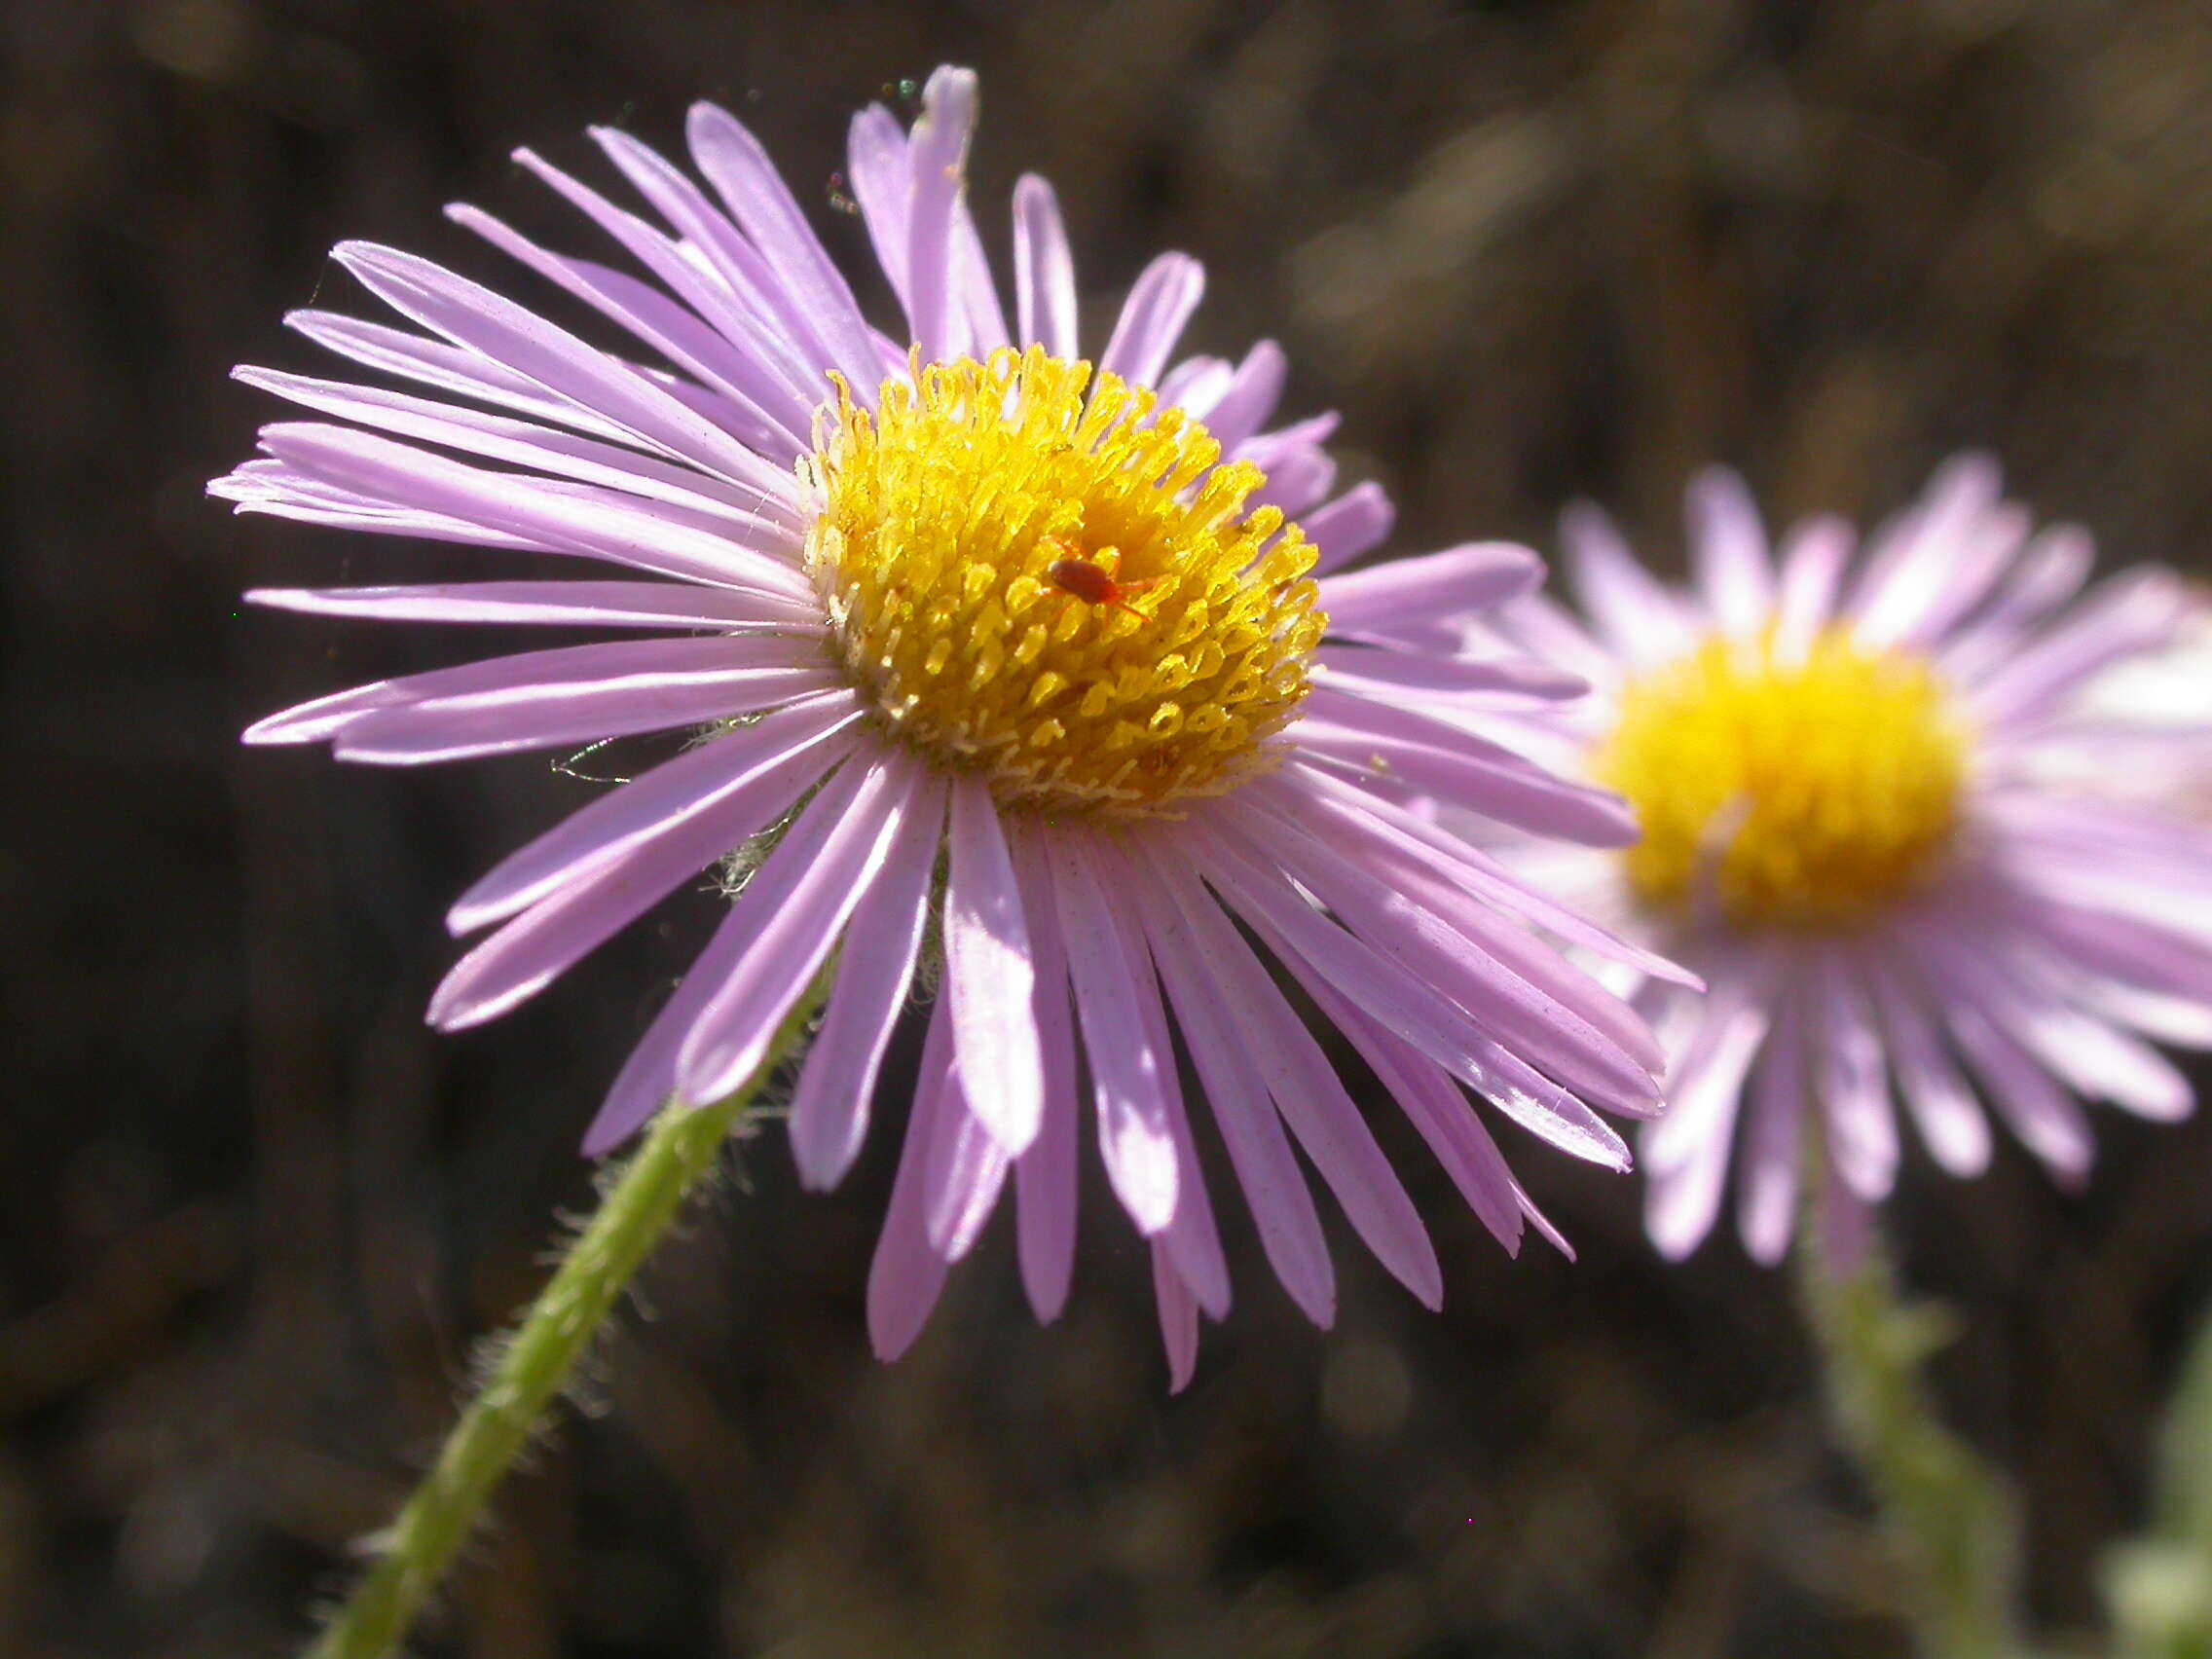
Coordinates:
<point>1092,583</point>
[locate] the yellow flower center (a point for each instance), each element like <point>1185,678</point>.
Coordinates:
<point>1796,795</point>
<point>1063,594</point>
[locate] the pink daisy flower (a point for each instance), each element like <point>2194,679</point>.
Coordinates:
<point>1882,824</point>
<point>982,647</point>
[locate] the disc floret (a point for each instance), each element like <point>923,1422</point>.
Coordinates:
<point>1810,793</point>
<point>949,522</point>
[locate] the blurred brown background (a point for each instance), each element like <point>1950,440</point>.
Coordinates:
<point>252,1215</point>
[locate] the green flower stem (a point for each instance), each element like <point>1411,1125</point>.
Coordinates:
<point>530,1366</point>
<point>2159,1587</point>
<point>1947,1514</point>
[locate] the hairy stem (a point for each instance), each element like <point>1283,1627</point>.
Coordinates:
<point>531,1365</point>
<point>1945,1513</point>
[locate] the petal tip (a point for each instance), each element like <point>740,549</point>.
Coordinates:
<point>278,729</point>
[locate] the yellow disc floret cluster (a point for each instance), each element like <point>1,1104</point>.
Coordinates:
<point>1804,794</point>
<point>1045,579</point>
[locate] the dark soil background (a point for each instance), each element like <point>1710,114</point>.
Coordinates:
<point>253,1216</point>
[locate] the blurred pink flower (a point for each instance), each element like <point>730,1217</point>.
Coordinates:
<point>1882,826</point>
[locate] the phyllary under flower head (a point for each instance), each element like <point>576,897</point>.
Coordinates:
<point>969,631</point>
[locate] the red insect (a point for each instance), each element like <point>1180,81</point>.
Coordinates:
<point>1083,579</point>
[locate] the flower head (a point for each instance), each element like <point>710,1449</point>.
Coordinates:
<point>1883,824</point>
<point>1043,662</point>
